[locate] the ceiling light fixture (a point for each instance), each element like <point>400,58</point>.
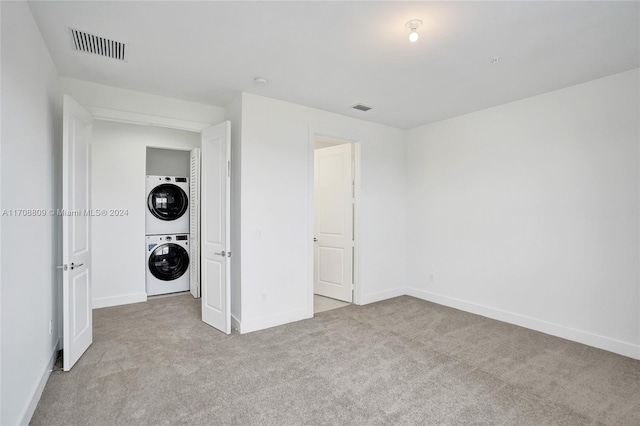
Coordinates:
<point>413,26</point>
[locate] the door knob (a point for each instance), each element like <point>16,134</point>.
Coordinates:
<point>315,240</point>
<point>223,253</point>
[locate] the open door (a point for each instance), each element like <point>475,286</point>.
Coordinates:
<point>215,226</point>
<point>76,232</point>
<point>194,222</point>
<point>333,196</point>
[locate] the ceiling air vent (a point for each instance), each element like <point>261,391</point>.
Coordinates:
<point>361,107</point>
<point>97,45</point>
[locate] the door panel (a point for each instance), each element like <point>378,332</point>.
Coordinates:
<point>215,227</point>
<point>76,237</point>
<point>333,222</point>
<point>331,265</point>
<point>331,175</point>
<point>81,299</point>
<point>215,296</point>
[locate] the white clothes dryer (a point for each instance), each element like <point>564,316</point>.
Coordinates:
<point>167,264</point>
<point>167,205</point>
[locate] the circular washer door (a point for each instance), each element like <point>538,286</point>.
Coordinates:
<point>168,262</point>
<point>167,201</point>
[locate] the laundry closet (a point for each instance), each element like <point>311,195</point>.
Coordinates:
<point>124,156</point>
<point>169,200</point>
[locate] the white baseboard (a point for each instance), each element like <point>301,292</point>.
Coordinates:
<point>272,321</point>
<point>125,299</point>
<point>602,342</point>
<point>37,391</point>
<point>382,295</point>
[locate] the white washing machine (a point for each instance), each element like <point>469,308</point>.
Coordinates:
<point>167,205</point>
<point>167,263</point>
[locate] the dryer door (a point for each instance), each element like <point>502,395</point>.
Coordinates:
<point>167,201</point>
<point>168,262</point>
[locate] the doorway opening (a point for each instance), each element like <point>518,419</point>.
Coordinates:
<point>335,208</point>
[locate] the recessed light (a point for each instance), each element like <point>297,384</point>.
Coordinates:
<point>261,81</point>
<point>495,60</point>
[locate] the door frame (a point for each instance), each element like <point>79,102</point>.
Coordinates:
<point>356,143</point>
<point>143,119</point>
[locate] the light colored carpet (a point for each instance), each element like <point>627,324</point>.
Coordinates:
<point>322,304</point>
<point>400,361</point>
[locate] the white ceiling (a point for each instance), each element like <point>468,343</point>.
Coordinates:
<point>331,55</point>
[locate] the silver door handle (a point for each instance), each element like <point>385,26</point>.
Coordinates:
<point>63,267</point>
<point>223,253</point>
<point>315,240</point>
<point>75,266</point>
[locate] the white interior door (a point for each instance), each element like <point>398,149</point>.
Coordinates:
<point>194,223</point>
<point>333,222</point>
<point>76,236</point>
<point>215,226</point>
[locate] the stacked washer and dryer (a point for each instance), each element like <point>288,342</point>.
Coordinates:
<point>167,232</point>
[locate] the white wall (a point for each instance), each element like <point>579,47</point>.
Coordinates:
<point>107,102</point>
<point>529,213</point>
<point>119,172</point>
<point>31,106</point>
<point>276,228</point>
<point>168,162</point>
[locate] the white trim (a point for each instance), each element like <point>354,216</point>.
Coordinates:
<point>580,336</point>
<point>168,148</point>
<point>235,323</point>
<point>125,299</point>
<point>310,219</point>
<point>108,114</point>
<point>273,321</point>
<point>356,157</point>
<point>383,295</point>
<point>37,391</point>
<point>2,205</point>
<point>357,293</point>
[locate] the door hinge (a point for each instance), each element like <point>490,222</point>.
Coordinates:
<point>229,168</point>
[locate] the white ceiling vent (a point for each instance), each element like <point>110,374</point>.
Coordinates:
<point>98,45</point>
<point>361,107</point>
